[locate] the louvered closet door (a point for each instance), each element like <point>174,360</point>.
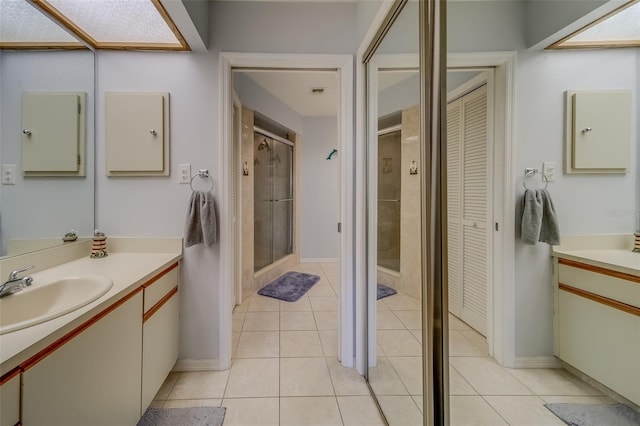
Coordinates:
<point>469,250</point>
<point>454,205</point>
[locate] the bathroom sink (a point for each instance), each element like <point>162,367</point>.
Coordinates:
<point>45,301</point>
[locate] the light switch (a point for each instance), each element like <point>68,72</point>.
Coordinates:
<point>184,173</point>
<point>8,174</point>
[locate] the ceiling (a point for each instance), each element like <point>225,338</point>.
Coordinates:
<point>294,89</point>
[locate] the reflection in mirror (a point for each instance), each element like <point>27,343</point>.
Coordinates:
<point>37,211</point>
<point>395,320</point>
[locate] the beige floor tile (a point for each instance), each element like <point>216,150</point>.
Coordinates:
<point>487,377</point>
<point>237,320</point>
<point>304,377</point>
<point>329,341</point>
<point>417,334</point>
<point>235,339</point>
<point>243,306</point>
<point>321,289</point>
<point>166,387</point>
<point>387,320</point>
<point>473,411</point>
<point>309,411</point>
<point>359,411</point>
<point>262,321</point>
<point>400,411</point>
<point>253,378</point>
<point>200,385</point>
<point>326,320</point>
<point>410,319</point>
<point>300,344</point>
<point>381,306</point>
<point>402,302</point>
<point>524,411</point>
<point>251,411</point>
<point>297,321</point>
<point>156,403</point>
<point>409,370</point>
<point>258,344</point>
<point>461,346</point>
<point>188,403</point>
<point>259,303</point>
<point>299,305</point>
<point>398,343</point>
<point>384,380</point>
<point>309,268</point>
<point>458,385</point>
<point>477,339</point>
<point>456,323</point>
<point>548,381</point>
<point>346,381</point>
<point>419,402</point>
<point>325,303</point>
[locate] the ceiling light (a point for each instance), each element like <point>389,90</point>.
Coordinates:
<point>620,28</point>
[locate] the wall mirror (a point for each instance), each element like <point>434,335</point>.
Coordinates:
<point>395,254</point>
<point>37,211</point>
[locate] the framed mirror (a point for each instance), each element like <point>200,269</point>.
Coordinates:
<point>37,211</point>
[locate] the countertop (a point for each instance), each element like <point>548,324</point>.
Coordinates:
<point>127,270</point>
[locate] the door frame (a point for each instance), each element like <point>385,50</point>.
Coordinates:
<point>501,301</point>
<point>236,145</point>
<point>343,64</point>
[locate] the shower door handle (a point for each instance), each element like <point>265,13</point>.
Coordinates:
<point>282,199</point>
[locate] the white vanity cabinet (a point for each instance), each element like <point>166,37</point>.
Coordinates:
<point>160,332</point>
<point>597,320</point>
<point>93,377</point>
<point>10,399</point>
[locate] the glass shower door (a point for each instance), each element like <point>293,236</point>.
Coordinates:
<point>273,200</point>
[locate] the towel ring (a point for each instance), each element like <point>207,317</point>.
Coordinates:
<point>204,174</point>
<point>531,173</point>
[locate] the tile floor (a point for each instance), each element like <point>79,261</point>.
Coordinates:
<point>285,370</point>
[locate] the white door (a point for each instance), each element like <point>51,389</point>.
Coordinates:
<point>469,207</point>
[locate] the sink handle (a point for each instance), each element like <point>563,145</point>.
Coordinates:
<point>14,274</point>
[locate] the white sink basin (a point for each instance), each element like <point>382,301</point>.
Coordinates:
<point>46,301</point>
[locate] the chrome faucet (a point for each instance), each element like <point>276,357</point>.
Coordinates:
<point>15,284</point>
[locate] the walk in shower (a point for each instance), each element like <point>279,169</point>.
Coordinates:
<point>389,191</point>
<point>273,198</point>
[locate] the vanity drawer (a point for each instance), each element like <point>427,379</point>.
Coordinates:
<point>603,282</point>
<point>156,288</point>
<point>10,399</point>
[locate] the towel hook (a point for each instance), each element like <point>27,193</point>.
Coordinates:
<point>531,172</point>
<point>203,174</point>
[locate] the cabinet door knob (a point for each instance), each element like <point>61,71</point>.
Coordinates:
<point>153,132</point>
<point>587,130</point>
<point>27,132</point>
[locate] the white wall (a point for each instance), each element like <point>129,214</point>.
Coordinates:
<point>583,203</point>
<point>319,189</point>
<point>157,206</point>
<point>400,96</point>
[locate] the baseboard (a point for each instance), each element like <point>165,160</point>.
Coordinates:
<point>197,365</point>
<point>537,362</point>
<point>319,260</point>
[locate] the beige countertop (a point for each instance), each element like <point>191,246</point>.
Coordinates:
<point>615,259</point>
<point>127,270</point>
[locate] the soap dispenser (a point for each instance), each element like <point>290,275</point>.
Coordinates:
<point>99,247</point>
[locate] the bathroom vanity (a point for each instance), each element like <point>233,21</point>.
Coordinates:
<point>597,310</point>
<point>101,363</point>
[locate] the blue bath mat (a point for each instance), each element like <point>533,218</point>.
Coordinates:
<point>595,414</point>
<point>384,291</point>
<point>194,416</point>
<point>290,286</point>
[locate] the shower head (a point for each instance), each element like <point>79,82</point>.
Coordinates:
<point>264,145</point>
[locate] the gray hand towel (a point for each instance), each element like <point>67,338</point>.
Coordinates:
<point>200,226</point>
<point>549,231</point>
<point>531,216</point>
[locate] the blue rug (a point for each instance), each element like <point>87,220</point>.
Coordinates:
<point>194,416</point>
<point>290,286</point>
<point>384,291</point>
<point>595,414</point>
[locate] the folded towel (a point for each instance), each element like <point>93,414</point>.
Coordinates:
<point>531,216</point>
<point>200,226</point>
<point>549,230</point>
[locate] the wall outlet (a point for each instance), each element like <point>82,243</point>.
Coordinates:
<point>549,171</point>
<point>184,171</point>
<point>8,174</point>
